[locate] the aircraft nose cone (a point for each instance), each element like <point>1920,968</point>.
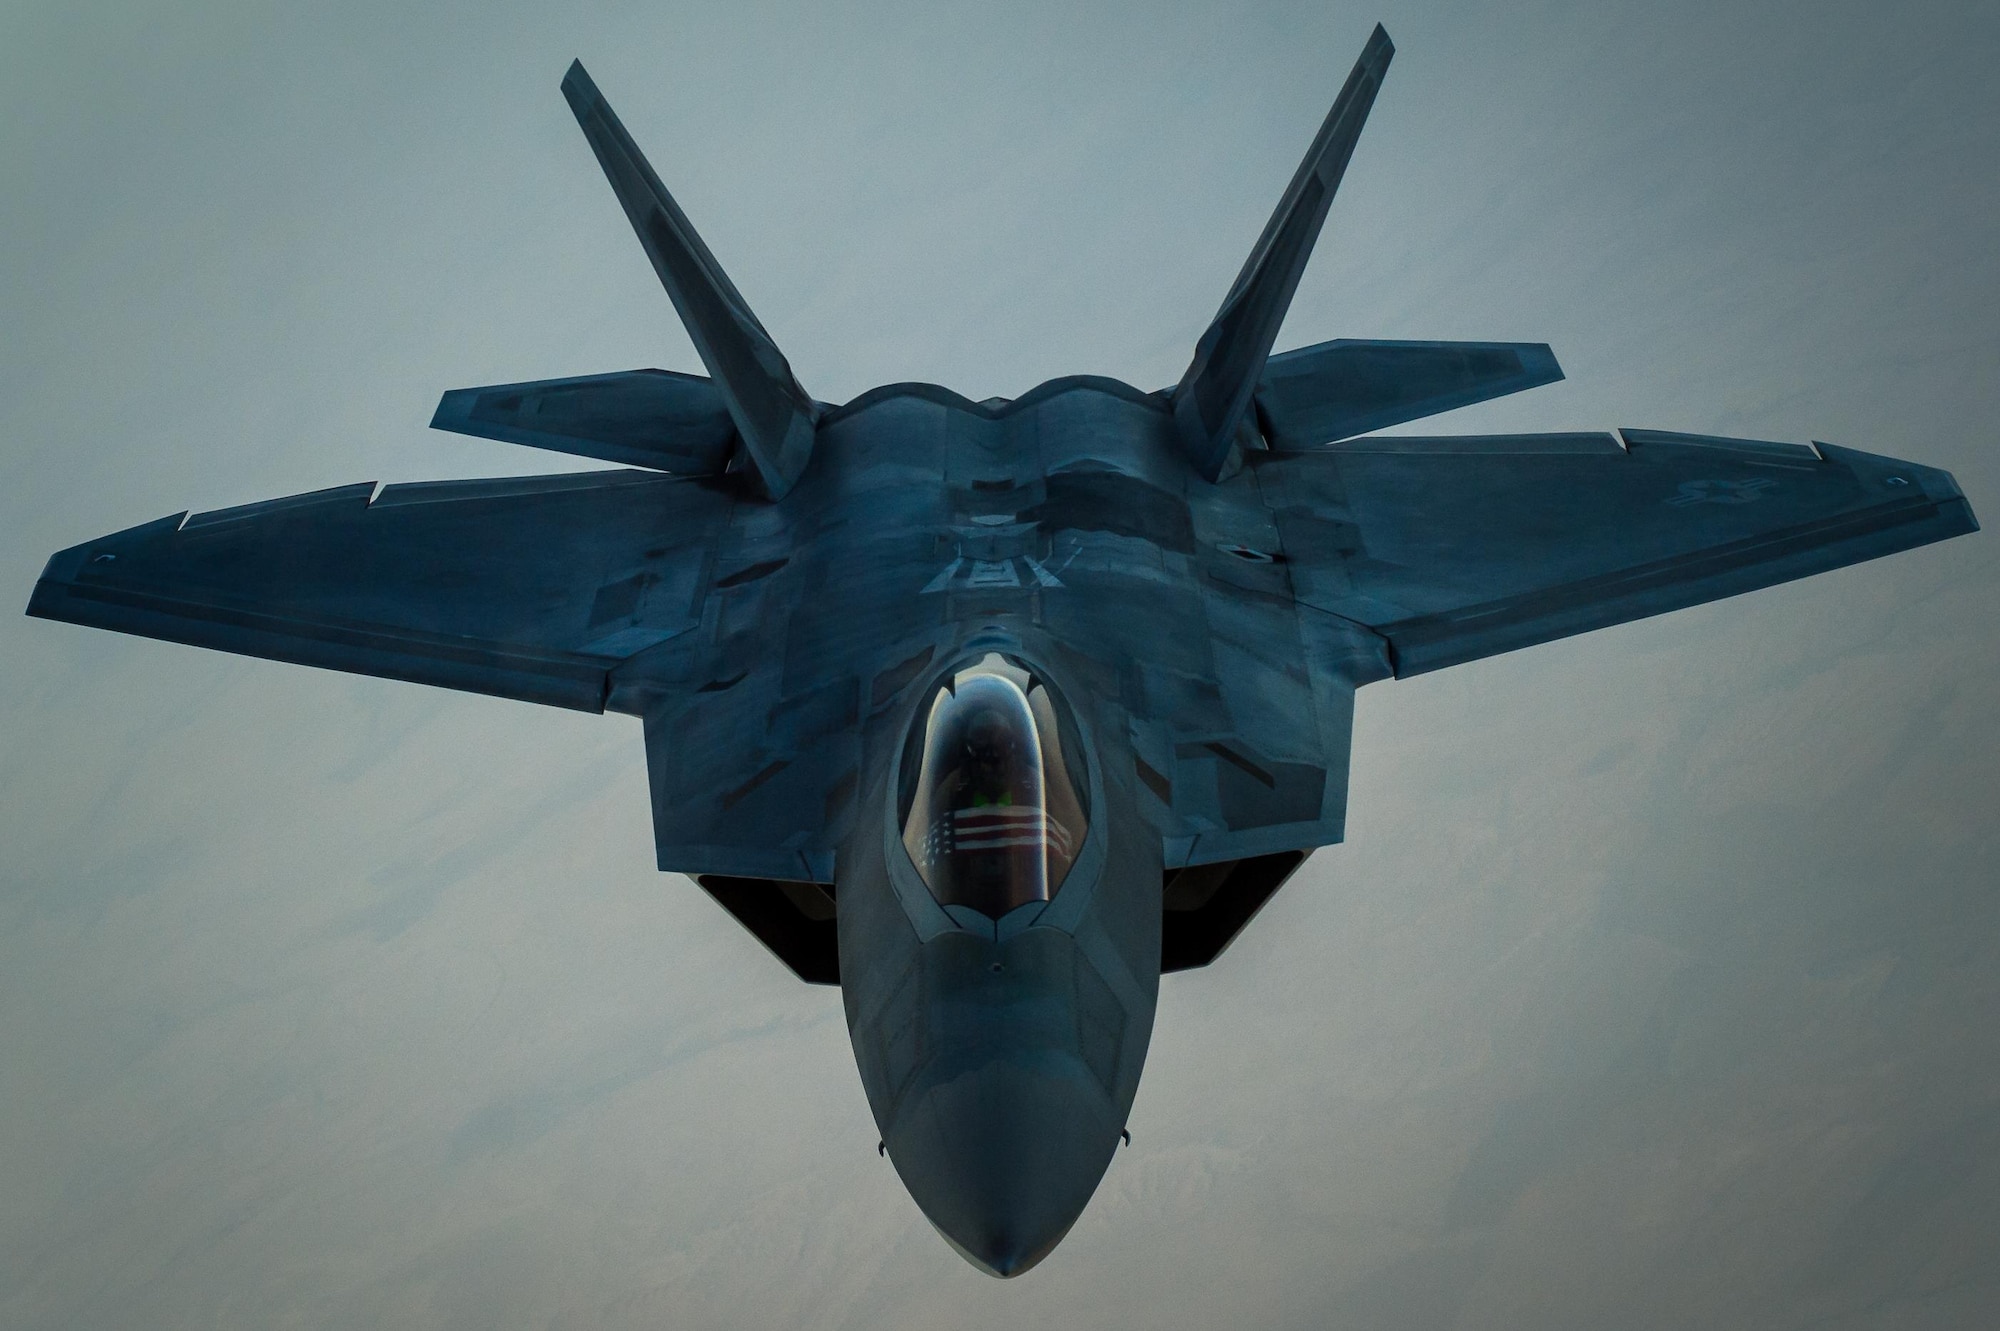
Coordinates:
<point>1003,1157</point>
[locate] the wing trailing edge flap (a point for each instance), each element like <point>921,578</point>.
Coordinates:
<point>656,419</point>
<point>1347,387</point>
<point>1212,401</point>
<point>774,417</point>
<point>532,588</point>
<point>1454,549</point>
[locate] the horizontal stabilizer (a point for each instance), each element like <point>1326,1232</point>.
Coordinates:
<point>773,415</point>
<point>1214,394</point>
<point>1336,390</point>
<point>642,418</point>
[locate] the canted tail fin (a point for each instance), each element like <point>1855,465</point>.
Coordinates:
<point>1213,397</point>
<point>774,417</point>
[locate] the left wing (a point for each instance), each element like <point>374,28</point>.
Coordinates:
<point>1455,549</point>
<point>532,588</point>
<point>620,589</point>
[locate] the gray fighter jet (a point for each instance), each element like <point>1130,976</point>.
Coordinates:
<point>992,712</point>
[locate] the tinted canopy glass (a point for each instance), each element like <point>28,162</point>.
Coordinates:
<point>993,821</point>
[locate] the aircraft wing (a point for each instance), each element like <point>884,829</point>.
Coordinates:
<point>627,591</point>
<point>533,588</point>
<point>1459,548</point>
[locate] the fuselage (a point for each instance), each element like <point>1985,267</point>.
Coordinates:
<point>1000,1053</point>
<point>1000,1027</point>
<point>1000,1043</point>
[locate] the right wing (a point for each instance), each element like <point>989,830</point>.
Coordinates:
<point>532,588</point>
<point>1459,548</point>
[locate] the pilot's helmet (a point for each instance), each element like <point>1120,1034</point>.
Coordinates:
<point>989,723</point>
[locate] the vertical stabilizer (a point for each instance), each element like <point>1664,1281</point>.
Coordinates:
<point>772,413</point>
<point>1214,394</point>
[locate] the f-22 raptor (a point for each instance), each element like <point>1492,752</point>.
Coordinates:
<point>990,713</point>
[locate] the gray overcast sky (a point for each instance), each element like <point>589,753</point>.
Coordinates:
<point>1658,983</point>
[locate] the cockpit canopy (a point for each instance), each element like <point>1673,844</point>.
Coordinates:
<point>991,811</point>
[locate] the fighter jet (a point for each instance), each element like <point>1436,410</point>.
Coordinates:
<point>991,713</point>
